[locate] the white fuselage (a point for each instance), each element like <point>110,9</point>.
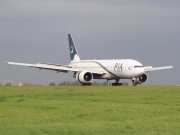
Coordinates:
<point>113,69</point>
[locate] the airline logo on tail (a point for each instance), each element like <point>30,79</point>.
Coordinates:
<point>73,52</point>
<point>72,49</point>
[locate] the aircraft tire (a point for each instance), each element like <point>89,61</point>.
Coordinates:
<point>86,84</point>
<point>134,84</point>
<point>116,84</point>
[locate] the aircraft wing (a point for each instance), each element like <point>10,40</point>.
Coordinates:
<point>150,68</point>
<point>54,67</point>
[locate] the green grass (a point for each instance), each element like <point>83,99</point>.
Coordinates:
<point>90,110</point>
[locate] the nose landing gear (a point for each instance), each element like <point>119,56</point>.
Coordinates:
<point>134,83</point>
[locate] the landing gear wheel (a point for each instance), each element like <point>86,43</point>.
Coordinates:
<point>134,84</point>
<point>116,84</point>
<point>86,84</point>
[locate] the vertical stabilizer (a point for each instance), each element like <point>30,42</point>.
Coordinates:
<point>73,52</point>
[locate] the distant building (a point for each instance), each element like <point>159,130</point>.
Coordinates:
<point>20,84</point>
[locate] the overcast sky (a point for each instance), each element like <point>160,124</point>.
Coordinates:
<point>34,31</point>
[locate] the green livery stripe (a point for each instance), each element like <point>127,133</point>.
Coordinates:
<point>101,66</point>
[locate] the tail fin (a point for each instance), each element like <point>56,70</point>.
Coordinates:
<point>73,52</point>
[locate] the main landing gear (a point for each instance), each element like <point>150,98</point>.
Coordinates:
<point>116,83</point>
<point>86,84</point>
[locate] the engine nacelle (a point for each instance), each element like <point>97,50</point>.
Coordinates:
<point>140,80</point>
<point>84,77</point>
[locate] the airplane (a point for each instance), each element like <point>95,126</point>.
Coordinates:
<point>87,70</point>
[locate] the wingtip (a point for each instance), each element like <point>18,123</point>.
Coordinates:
<point>170,66</point>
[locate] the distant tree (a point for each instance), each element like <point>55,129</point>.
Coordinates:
<point>104,83</point>
<point>64,83</point>
<point>60,84</point>
<point>125,83</point>
<point>52,84</point>
<point>95,83</point>
<point>77,83</point>
<point>27,84</point>
<point>67,83</point>
<point>30,84</point>
<point>7,84</point>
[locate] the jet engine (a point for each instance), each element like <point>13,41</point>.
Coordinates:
<point>139,80</point>
<point>84,77</point>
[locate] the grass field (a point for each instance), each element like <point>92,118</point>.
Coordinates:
<point>69,110</point>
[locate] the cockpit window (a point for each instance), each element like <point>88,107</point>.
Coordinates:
<point>138,66</point>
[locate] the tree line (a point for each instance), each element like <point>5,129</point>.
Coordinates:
<point>76,83</point>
